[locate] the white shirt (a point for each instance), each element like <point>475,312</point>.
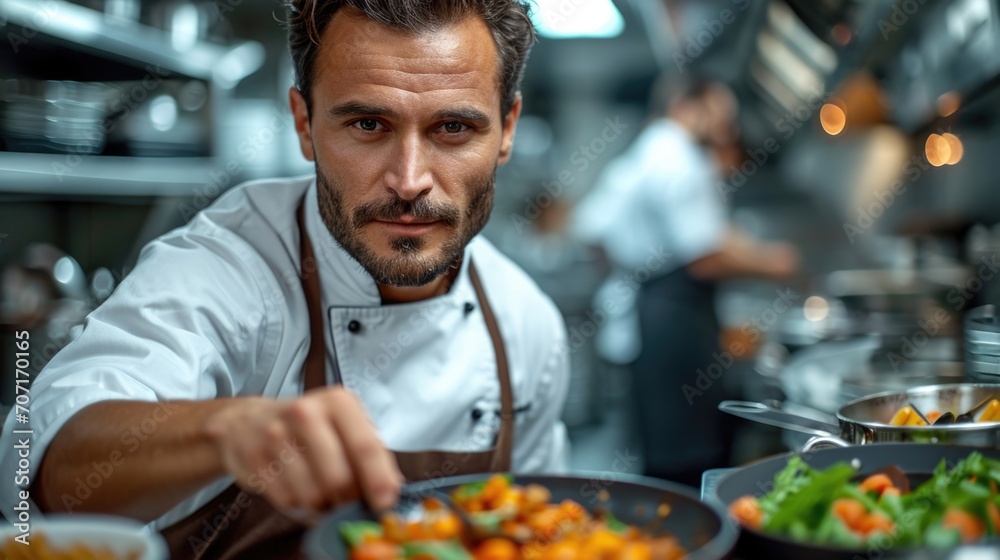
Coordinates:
<point>654,209</point>
<point>216,309</point>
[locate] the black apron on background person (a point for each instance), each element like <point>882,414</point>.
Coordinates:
<point>680,333</point>
<point>242,525</point>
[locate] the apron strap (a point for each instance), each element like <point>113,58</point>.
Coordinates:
<point>315,366</point>
<point>505,438</point>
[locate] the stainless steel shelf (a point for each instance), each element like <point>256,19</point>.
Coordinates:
<point>67,174</point>
<point>225,65</point>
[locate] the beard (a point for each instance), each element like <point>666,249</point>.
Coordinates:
<point>411,263</point>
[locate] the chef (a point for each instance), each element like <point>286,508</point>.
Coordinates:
<point>657,214</point>
<point>301,343</point>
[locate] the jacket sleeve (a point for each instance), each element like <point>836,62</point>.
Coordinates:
<point>186,323</point>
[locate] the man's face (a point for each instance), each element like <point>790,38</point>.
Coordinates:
<point>406,133</point>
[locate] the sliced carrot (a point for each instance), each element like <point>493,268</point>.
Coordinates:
<point>851,511</point>
<point>416,531</point>
<point>877,521</point>
<point>572,510</point>
<point>636,551</point>
<point>969,526</point>
<point>603,544</point>
<point>746,510</point>
<point>494,490</point>
<point>432,504</point>
<point>877,483</point>
<point>446,527</point>
<point>563,550</point>
<point>496,549</point>
<point>377,550</point>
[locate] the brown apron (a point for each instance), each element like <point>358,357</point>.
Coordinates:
<point>241,524</point>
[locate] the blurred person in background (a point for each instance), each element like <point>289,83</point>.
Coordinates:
<point>663,225</point>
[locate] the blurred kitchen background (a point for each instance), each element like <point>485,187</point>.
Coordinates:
<point>868,138</point>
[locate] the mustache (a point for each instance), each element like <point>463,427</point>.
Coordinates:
<point>421,209</point>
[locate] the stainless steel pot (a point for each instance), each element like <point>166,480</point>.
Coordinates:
<point>866,420</point>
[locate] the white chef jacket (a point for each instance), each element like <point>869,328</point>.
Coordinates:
<point>654,209</point>
<point>216,309</point>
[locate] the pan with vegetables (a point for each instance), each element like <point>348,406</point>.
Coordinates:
<point>963,414</point>
<point>873,501</point>
<point>606,516</point>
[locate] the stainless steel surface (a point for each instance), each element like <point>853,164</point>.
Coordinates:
<point>825,375</point>
<point>773,416</point>
<point>821,442</point>
<point>866,420</point>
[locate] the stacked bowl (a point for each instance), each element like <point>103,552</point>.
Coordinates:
<point>982,345</point>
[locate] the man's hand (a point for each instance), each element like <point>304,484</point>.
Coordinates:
<point>306,454</point>
<point>782,260</point>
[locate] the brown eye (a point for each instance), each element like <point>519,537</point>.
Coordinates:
<point>368,125</point>
<point>453,127</point>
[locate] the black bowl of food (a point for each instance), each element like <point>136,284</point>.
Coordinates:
<point>878,501</point>
<point>624,517</point>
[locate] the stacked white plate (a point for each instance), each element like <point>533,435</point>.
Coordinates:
<point>64,117</point>
<point>982,344</point>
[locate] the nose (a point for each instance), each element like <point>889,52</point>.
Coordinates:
<point>409,174</point>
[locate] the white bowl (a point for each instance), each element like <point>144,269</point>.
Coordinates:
<point>119,535</point>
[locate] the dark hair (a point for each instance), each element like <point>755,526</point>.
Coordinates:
<point>508,21</point>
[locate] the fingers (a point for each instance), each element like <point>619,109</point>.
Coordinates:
<point>309,453</point>
<point>374,466</point>
<point>328,471</point>
<point>249,436</point>
<point>288,477</point>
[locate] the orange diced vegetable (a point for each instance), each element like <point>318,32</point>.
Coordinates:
<point>603,545</point>
<point>416,531</point>
<point>496,549</point>
<point>876,521</point>
<point>393,528</point>
<point>446,527</point>
<point>747,512</point>
<point>563,550</point>
<point>969,526</point>
<point>494,490</point>
<point>536,495</point>
<point>851,511</point>
<point>432,504</point>
<point>545,522</point>
<point>377,550</point>
<point>877,483</point>
<point>636,551</point>
<point>933,416</point>
<point>572,510</point>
